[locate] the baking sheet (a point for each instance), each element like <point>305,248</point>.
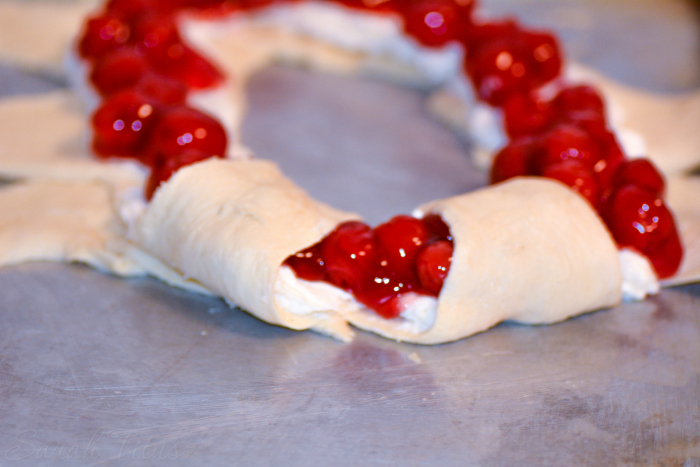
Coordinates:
<point>97,370</point>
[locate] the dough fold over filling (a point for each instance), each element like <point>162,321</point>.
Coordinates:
<point>230,225</point>
<point>528,250</point>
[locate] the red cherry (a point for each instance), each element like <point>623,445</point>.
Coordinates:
<point>350,254</point>
<point>201,5</point>
<point>400,239</point>
<point>563,142</point>
<point>513,62</point>
<point>433,264</point>
<point>154,30</point>
<point>103,34</point>
<point>118,70</point>
<point>181,62</point>
<point>162,88</point>
<point>640,220</point>
<point>134,8</point>
<point>579,102</point>
<point>479,36</point>
<point>435,22</point>
<point>608,151</point>
<point>437,227</point>
<point>383,293</point>
<point>389,308</point>
<point>308,264</point>
<point>641,173</point>
<point>164,168</point>
<point>668,256</point>
<point>543,48</point>
<point>157,36</point>
<point>513,160</point>
<point>368,262</point>
<point>184,129</point>
<point>525,114</point>
<point>499,70</point>
<point>122,125</point>
<point>577,176</point>
<point>373,5</point>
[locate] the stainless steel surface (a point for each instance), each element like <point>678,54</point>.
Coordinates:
<point>96,370</point>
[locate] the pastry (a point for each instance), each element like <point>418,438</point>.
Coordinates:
<point>169,133</point>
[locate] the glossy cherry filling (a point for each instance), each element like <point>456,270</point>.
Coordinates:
<point>143,69</point>
<point>566,139</point>
<point>380,266</point>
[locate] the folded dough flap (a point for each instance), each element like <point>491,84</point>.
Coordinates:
<point>230,225</point>
<point>528,250</point>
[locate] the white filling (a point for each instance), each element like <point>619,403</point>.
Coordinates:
<point>638,277</point>
<point>419,312</point>
<point>303,297</point>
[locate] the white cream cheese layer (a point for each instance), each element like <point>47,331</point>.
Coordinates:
<point>303,297</point>
<point>638,277</point>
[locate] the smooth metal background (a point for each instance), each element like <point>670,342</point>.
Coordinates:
<point>96,370</point>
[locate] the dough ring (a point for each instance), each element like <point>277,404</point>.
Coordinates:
<point>520,251</point>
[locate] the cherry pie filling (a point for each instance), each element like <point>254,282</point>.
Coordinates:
<point>143,71</point>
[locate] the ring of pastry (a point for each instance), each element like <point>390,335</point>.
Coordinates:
<point>604,295</point>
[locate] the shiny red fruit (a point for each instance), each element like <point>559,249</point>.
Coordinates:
<point>433,264</point>
<point>122,125</point>
<point>161,88</point>
<point>118,70</point>
<point>515,62</point>
<point>309,264</point>
<point>564,142</point>
<point>373,5</point>
<point>500,70</point>
<point>609,152</point>
<point>667,257</point>
<point>578,177</point>
<point>201,5</point>
<point>544,51</point>
<point>435,22</point>
<point>437,227</point>
<point>184,129</point>
<point>639,219</point>
<point>102,35</point>
<point>157,37</point>
<point>153,31</point>
<point>383,294</point>
<point>579,102</point>
<point>482,35</point>
<point>131,9</point>
<point>525,115</point>
<point>641,173</point>
<point>400,239</point>
<point>513,160</point>
<point>351,257</point>
<point>181,62</point>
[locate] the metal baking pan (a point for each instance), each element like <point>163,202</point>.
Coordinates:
<point>96,370</point>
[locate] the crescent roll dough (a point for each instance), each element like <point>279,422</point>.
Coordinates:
<point>529,250</point>
<point>230,225</point>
